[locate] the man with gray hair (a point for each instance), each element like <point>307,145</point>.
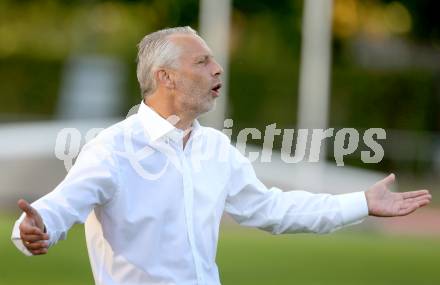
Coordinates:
<point>151,216</point>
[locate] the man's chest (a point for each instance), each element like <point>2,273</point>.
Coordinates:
<point>163,188</point>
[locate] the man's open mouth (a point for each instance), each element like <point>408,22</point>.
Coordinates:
<point>216,88</point>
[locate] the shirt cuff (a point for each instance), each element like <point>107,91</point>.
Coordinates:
<point>16,239</point>
<point>354,207</point>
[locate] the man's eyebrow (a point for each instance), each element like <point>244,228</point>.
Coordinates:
<point>204,57</point>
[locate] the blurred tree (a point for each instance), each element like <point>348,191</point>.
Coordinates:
<point>426,19</point>
<point>37,36</point>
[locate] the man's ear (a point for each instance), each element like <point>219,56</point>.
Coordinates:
<point>165,78</point>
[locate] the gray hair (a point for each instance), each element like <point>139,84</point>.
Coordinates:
<point>155,51</point>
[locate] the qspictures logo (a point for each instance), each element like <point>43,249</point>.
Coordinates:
<point>345,141</point>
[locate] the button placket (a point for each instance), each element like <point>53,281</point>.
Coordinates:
<point>188,189</point>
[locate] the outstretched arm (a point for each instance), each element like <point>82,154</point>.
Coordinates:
<point>384,203</point>
<point>92,182</point>
<point>250,203</point>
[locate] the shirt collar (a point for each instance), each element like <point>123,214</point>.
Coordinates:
<point>157,127</point>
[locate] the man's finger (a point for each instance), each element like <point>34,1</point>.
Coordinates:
<point>34,238</point>
<point>26,207</point>
<point>36,245</point>
<point>413,194</point>
<point>29,230</point>
<point>423,202</point>
<point>418,198</point>
<point>408,209</point>
<point>39,251</point>
<point>389,179</point>
<point>413,204</point>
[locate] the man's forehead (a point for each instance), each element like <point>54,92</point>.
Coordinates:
<point>191,44</point>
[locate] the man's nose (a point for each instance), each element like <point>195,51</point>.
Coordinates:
<point>218,70</point>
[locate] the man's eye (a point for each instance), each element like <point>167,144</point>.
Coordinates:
<point>201,61</point>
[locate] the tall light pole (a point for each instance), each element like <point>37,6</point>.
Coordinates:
<point>214,28</point>
<point>314,81</point>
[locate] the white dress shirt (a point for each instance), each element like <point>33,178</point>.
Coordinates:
<point>152,208</point>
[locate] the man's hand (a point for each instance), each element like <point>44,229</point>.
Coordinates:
<point>32,230</point>
<point>384,203</point>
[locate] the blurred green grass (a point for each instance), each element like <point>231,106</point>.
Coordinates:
<point>248,256</point>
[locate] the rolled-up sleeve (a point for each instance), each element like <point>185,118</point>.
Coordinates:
<point>251,204</point>
<point>92,181</point>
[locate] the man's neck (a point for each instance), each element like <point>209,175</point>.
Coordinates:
<point>166,110</point>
